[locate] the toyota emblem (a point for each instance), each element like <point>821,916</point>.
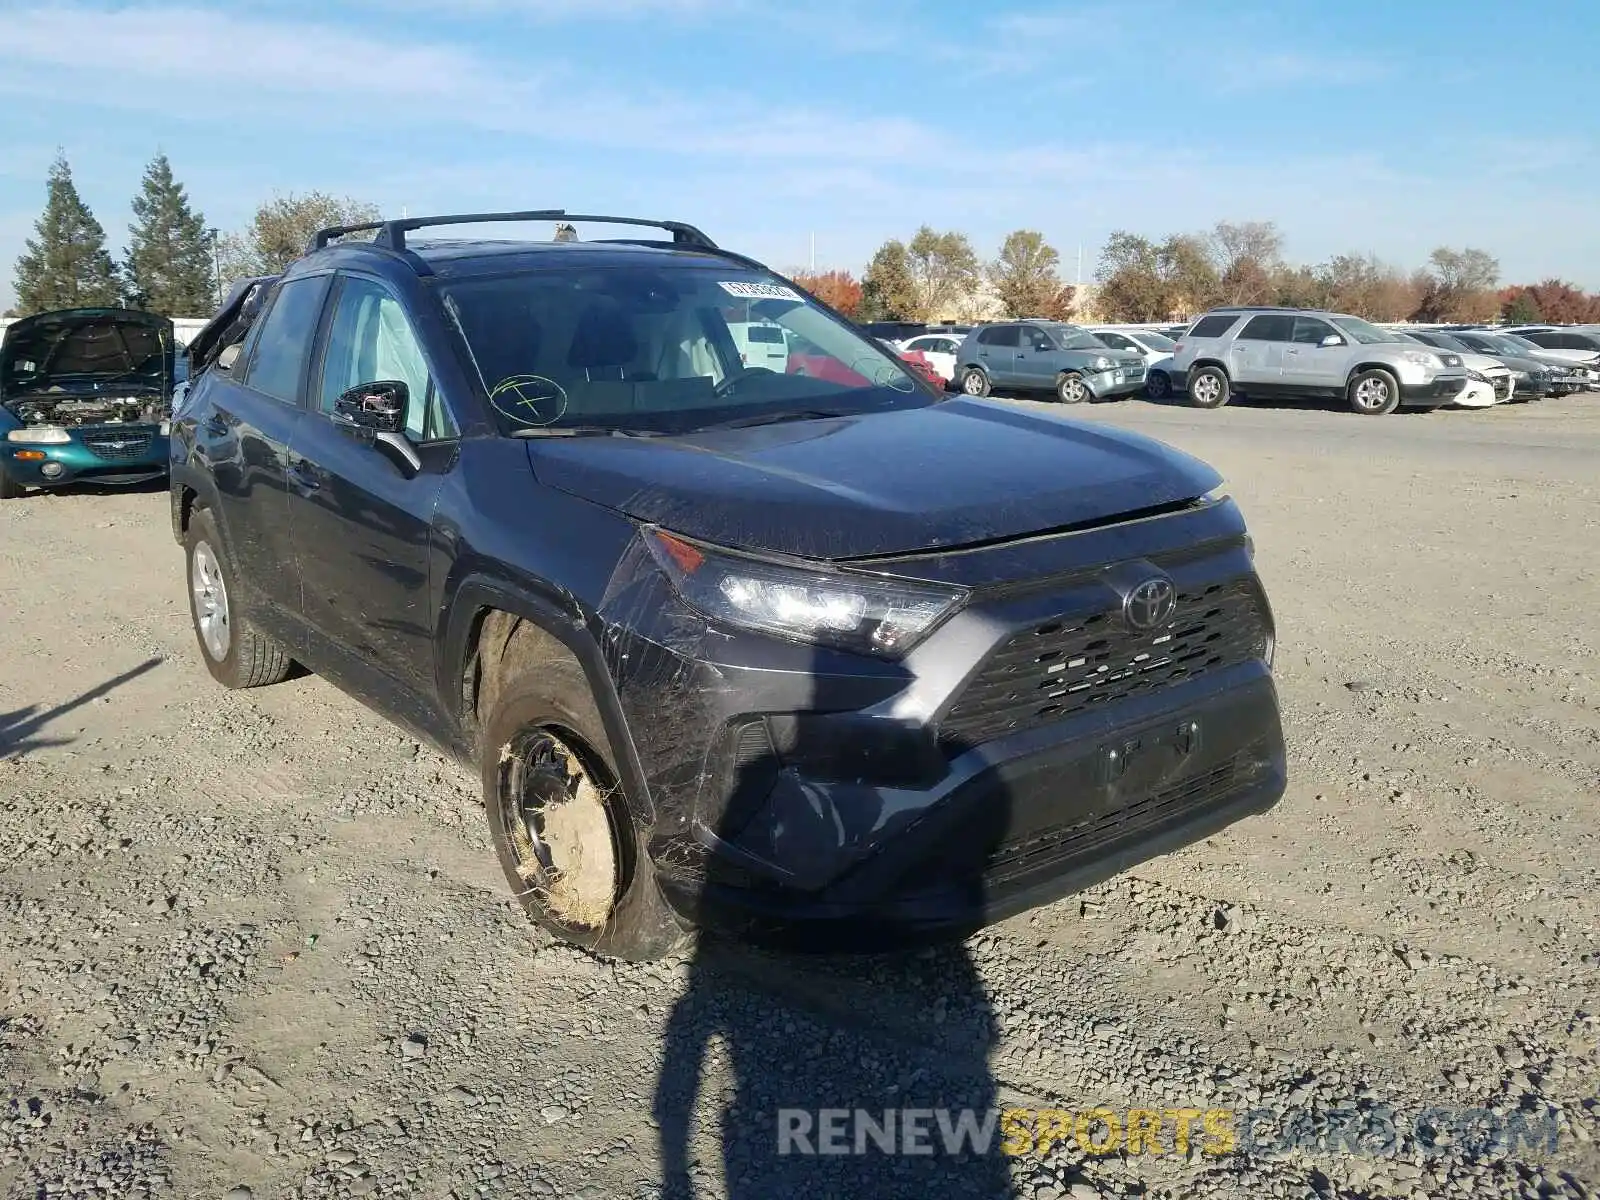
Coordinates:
<point>1150,604</point>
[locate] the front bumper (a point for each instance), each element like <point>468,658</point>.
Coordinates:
<point>79,462</point>
<point>1433,393</point>
<point>816,799</point>
<point>1117,382</point>
<point>1477,394</point>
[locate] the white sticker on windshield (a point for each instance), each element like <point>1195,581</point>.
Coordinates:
<point>760,291</point>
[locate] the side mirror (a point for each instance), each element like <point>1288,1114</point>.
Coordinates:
<point>1333,339</point>
<point>229,356</point>
<point>375,407</point>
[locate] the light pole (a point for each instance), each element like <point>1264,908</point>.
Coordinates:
<point>216,261</point>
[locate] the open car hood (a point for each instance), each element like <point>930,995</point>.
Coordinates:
<point>956,473</point>
<point>86,352</point>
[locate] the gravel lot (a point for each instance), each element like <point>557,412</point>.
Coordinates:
<point>257,944</point>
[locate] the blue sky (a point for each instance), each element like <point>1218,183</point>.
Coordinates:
<point>1358,126</point>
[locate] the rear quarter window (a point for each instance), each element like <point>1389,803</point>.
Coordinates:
<point>1212,326</point>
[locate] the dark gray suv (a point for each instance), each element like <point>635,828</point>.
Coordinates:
<point>1045,356</point>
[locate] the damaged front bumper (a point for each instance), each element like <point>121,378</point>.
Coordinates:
<point>823,800</point>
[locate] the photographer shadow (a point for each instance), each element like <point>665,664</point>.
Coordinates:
<point>832,1075</point>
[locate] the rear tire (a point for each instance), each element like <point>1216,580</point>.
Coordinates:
<point>1071,389</point>
<point>1374,393</point>
<point>10,489</point>
<point>1209,387</point>
<point>562,826</point>
<point>235,651</point>
<point>974,383</point>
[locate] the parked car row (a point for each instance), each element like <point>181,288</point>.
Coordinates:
<point>1287,353</point>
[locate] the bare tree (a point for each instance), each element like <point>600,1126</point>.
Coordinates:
<point>1247,254</point>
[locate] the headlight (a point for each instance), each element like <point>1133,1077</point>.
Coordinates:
<point>1523,375</point>
<point>857,612</point>
<point>1101,364</point>
<point>40,435</point>
<point>1422,358</point>
<point>1479,376</point>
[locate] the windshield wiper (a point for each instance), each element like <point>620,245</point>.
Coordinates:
<point>538,431</point>
<point>810,414</point>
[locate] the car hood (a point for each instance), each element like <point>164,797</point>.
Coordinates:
<point>1474,361</point>
<point>951,474</point>
<point>86,352</point>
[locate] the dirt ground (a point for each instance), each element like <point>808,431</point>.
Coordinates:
<point>256,944</point>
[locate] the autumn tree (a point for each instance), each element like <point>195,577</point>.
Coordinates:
<point>887,290</point>
<point>944,270</point>
<point>839,290</point>
<point>1129,274</point>
<point>1246,255</point>
<point>1553,300</point>
<point>1188,275</point>
<point>282,228</point>
<point>1460,286</point>
<point>66,263</point>
<point>169,267</point>
<point>1026,277</point>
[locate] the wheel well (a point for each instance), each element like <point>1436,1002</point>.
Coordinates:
<point>1198,363</point>
<point>1386,368</point>
<point>188,501</point>
<point>500,645</point>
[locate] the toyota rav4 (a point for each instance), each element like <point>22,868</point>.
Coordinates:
<point>824,657</point>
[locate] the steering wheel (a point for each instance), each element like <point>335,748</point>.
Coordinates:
<point>743,373</point>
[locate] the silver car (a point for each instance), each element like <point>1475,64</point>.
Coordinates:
<point>1045,356</point>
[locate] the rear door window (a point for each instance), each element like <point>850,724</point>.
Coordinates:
<point>283,345</point>
<point>999,335</point>
<point>1276,327</point>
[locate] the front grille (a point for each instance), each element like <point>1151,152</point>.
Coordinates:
<point>119,447</point>
<point>1064,666</point>
<point>1073,839</point>
<point>1502,388</point>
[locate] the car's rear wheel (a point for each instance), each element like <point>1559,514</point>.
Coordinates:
<point>974,382</point>
<point>1209,387</point>
<point>236,652</point>
<point>1374,393</point>
<point>561,822</point>
<point>1158,386</point>
<point>1071,389</point>
<point>10,489</point>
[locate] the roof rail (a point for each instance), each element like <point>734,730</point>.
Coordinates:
<point>392,234</point>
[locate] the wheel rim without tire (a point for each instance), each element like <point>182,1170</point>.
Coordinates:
<point>1207,388</point>
<point>972,384</point>
<point>210,602</point>
<point>553,810</point>
<point>1372,393</point>
<point>1073,390</point>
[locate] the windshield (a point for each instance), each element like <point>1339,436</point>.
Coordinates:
<point>1521,343</point>
<point>1364,332</point>
<point>639,349</point>
<point>1071,337</point>
<point>1155,341</point>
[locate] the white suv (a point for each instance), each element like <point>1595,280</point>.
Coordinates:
<point>1290,353</point>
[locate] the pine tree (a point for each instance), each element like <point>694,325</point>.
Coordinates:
<point>169,267</point>
<point>66,265</point>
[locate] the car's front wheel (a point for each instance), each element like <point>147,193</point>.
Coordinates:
<point>236,652</point>
<point>1209,387</point>
<point>974,382</point>
<point>1158,386</point>
<point>1374,393</point>
<point>560,820</point>
<point>1071,389</point>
